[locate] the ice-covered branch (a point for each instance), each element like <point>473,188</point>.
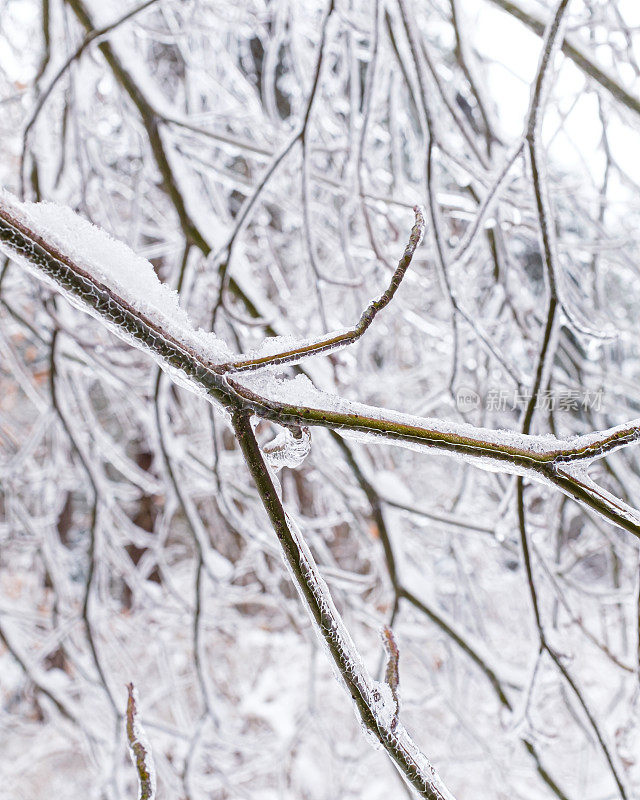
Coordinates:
<point>265,159</point>
<point>531,16</point>
<point>338,340</point>
<point>146,314</point>
<point>377,709</point>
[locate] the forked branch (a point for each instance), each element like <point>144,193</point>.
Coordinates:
<point>543,458</point>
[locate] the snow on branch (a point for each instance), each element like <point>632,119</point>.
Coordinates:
<point>109,281</point>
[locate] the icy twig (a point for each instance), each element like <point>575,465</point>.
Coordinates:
<point>150,119</point>
<point>139,748</point>
<point>190,365</point>
<point>552,42</point>
<point>60,705</point>
<point>226,251</point>
<point>332,342</point>
<point>429,134</point>
<point>541,87</point>
<point>93,526</point>
<point>571,48</point>
<point>391,674</point>
<point>91,36</point>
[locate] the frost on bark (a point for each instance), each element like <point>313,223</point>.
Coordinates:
<point>246,247</point>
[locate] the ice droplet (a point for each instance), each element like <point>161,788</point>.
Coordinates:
<point>288,449</point>
<point>383,705</point>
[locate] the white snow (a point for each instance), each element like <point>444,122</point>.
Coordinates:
<point>113,264</point>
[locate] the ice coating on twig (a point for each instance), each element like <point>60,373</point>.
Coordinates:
<point>139,748</point>
<point>379,696</point>
<point>340,338</point>
<point>384,705</point>
<point>391,675</point>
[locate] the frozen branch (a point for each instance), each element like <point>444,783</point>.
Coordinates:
<point>335,341</point>
<point>533,19</point>
<point>521,455</point>
<point>139,748</point>
<point>368,696</point>
<point>264,160</point>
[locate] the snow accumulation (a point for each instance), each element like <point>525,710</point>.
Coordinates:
<point>113,264</point>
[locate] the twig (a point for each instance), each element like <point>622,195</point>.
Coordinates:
<point>91,36</point>
<point>332,342</point>
<point>573,50</point>
<point>391,675</point>
<point>546,354</point>
<point>139,749</point>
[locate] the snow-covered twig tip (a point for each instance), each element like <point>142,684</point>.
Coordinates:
<point>392,676</point>
<point>139,748</point>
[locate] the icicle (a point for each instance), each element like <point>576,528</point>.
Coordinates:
<point>288,449</point>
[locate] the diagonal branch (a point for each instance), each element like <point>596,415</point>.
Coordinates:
<point>366,693</point>
<point>91,36</point>
<point>571,48</point>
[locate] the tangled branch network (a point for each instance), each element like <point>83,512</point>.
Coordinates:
<point>139,529</point>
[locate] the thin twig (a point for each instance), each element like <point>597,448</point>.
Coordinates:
<point>139,749</point>
<point>332,342</point>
